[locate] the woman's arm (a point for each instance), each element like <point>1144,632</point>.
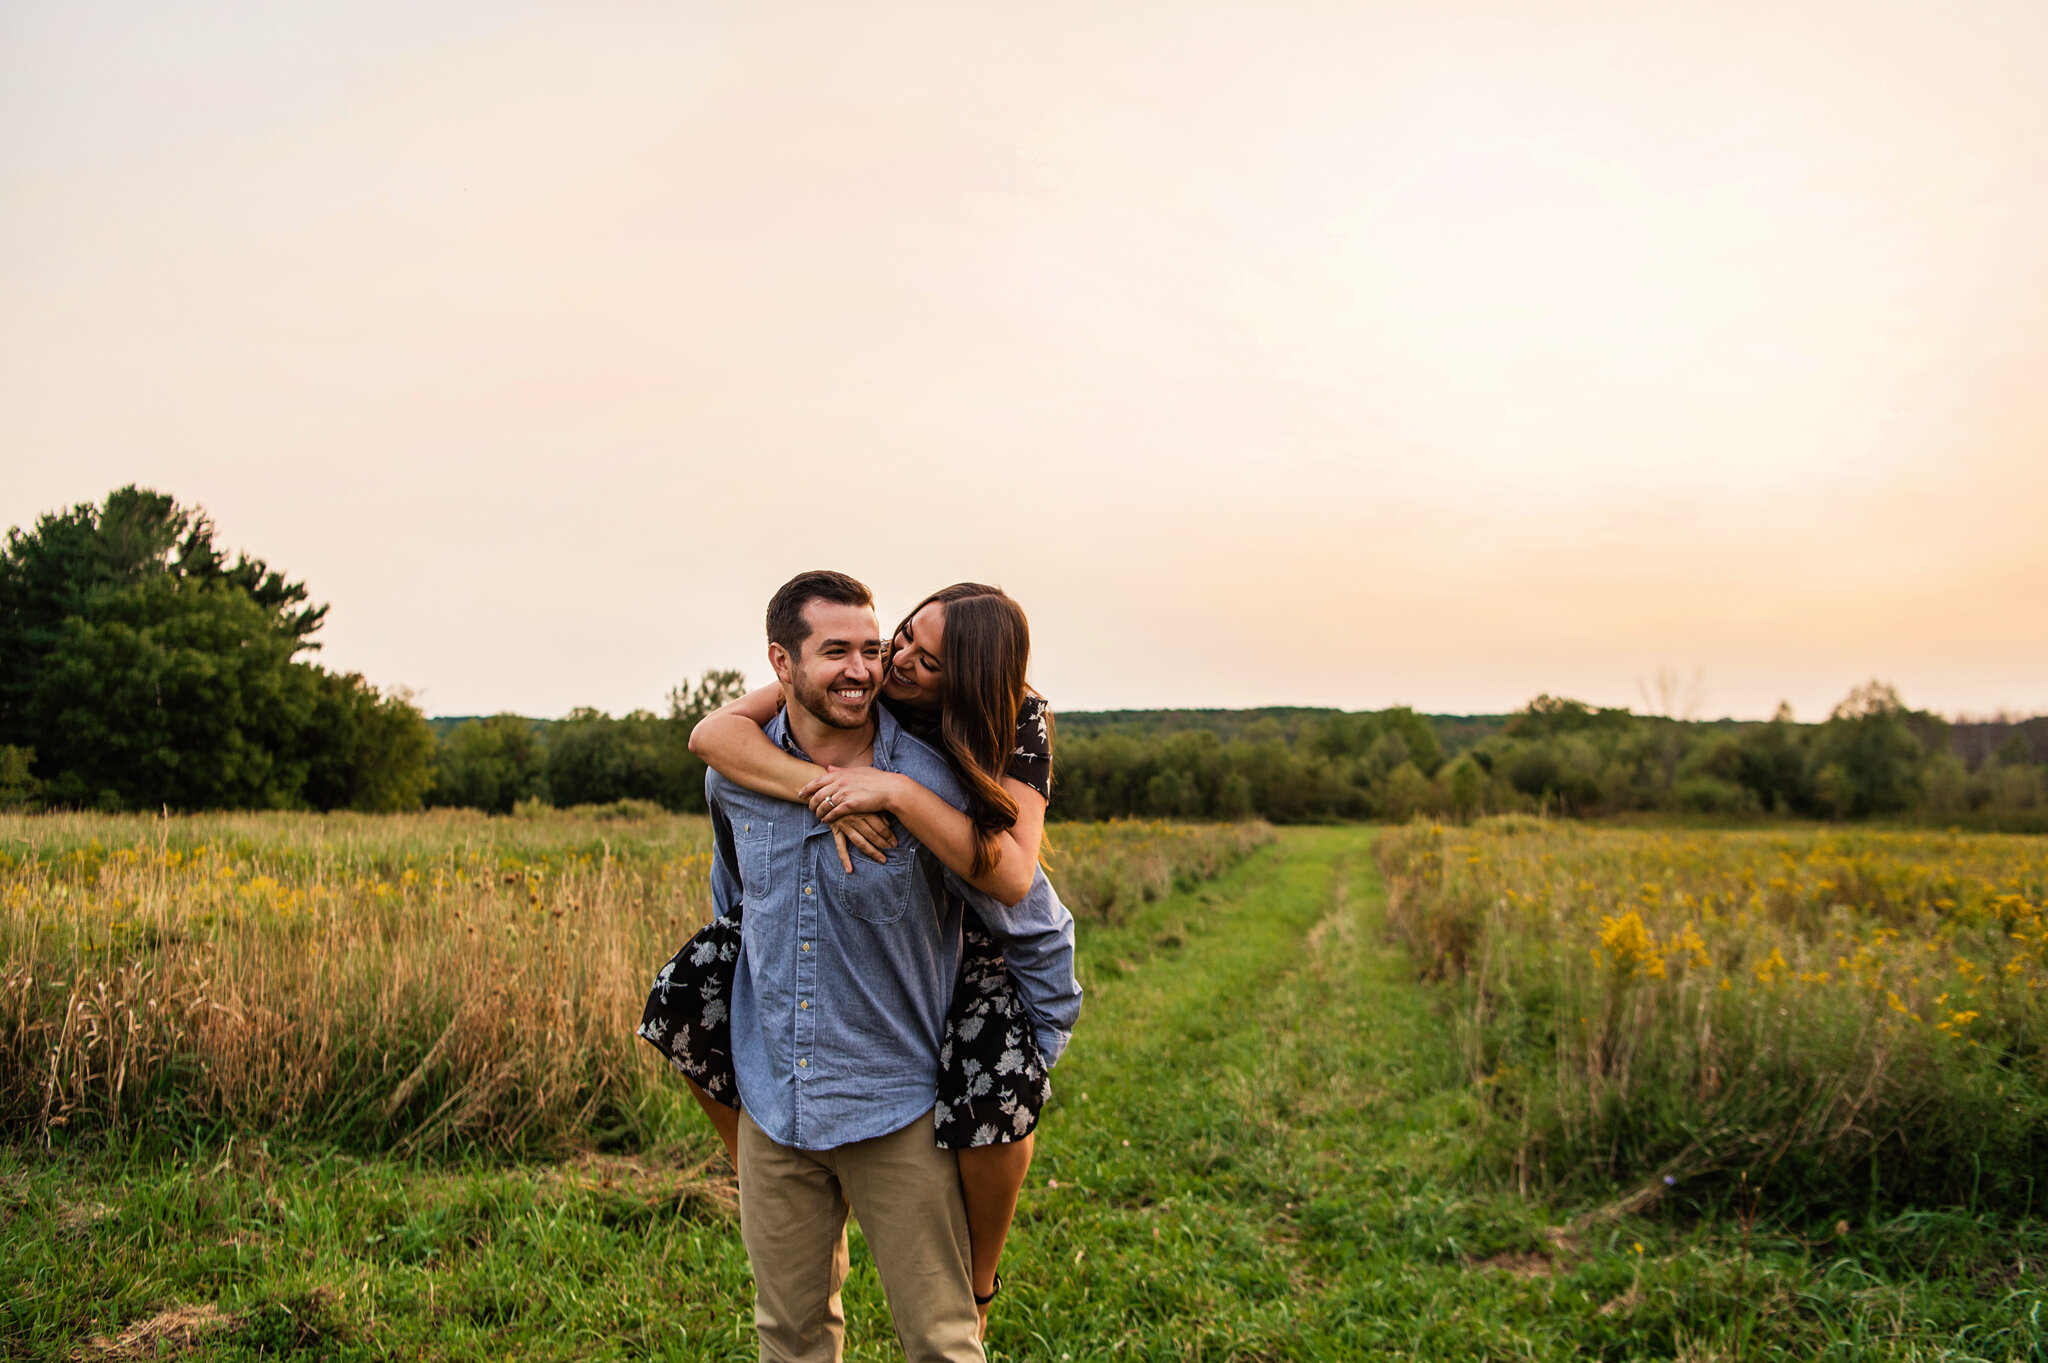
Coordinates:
<point>847,791</point>
<point>731,742</point>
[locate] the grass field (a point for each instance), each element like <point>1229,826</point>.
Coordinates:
<point>402,982</point>
<point>1855,1015</point>
<point>1267,1144</point>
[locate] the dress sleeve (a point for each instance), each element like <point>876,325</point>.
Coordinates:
<point>1031,755</point>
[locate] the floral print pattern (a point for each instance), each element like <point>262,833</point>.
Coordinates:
<point>1030,752</point>
<point>688,1017</point>
<point>992,1078</point>
<point>1031,758</point>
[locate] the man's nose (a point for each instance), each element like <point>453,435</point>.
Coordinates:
<point>859,667</point>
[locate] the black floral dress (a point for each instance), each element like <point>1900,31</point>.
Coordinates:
<point>992,1079</point>
<point>688,1017</point>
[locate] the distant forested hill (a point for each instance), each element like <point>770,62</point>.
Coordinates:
<point>1872,757</point>
<point>1275,721</point>
<point>1456,733</point>
<point>443,725</point>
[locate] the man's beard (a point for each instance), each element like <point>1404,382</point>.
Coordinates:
<point>819,701</point>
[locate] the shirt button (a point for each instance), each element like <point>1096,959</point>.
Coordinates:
<point>803,1064</point>
<point>803,1003</point>
<point>807,889</point>
<point>807,946</point>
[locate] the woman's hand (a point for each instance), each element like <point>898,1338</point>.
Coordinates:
<point>870,834</point>
<point>842,791</point>
<point>854,802</point>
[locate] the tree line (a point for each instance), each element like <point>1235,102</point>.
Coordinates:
<point>143,667</point>
<point>1873,756</point>
<point>589,758</point>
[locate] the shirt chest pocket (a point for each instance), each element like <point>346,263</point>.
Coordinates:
<point>754,840</point>
<point>878,894</point>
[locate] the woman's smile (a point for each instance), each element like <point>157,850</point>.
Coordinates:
<point>913,668</point>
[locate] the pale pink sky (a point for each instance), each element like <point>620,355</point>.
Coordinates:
<point>1438,353</point>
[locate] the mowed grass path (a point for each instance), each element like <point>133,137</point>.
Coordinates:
<point>1261,1150</point>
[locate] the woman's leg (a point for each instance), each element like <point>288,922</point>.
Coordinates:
<point>727,1121</point>
<point>991,1176</point>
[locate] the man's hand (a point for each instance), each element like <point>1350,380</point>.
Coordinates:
<point>870,833</point>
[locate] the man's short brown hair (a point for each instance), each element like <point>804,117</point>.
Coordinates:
<point>786,608</point>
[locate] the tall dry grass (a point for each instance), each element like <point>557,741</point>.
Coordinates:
<point>1858,1013</point>
<point>419,978</point>
<point>399,981</point>
<point>1106,869</point>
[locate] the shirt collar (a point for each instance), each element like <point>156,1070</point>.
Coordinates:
<point>886,729</point>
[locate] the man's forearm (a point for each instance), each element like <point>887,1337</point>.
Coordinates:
<point>1037,937</point>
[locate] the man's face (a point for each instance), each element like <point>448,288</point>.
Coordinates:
<point>835,672</point>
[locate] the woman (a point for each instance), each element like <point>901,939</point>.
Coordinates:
<point>956,679</point>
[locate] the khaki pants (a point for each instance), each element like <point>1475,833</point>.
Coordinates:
<point>906,1193</point>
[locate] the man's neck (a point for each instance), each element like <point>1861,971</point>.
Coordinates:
<point>826,744</point>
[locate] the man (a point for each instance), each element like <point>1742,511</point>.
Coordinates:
<point>839,1004</point>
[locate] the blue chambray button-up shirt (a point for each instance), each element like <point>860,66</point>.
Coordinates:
<point>840,995</point>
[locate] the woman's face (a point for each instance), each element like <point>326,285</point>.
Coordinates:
<point>914,677</point>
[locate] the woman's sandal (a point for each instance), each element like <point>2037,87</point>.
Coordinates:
<point>981,1303</point>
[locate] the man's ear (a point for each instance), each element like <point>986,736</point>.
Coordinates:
<point>784,665</point>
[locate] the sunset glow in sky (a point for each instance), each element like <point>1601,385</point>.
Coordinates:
<point>1436,353</point>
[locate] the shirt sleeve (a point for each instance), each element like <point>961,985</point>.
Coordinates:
<point>1031,754</point>
<point>1037,934</point>
<point>725,866</point>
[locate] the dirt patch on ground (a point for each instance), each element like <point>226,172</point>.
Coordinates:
<point>76,1218</point>
<point>164,1335</point>
<point>1623,1304</point>
<point>1338,922</point>
<point>1634,1204</point>
<point>1564,1255</point>
<point>702,1186</point>
<point>1525,1265</point>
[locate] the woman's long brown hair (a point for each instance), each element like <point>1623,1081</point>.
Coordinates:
<point>982,660</point>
